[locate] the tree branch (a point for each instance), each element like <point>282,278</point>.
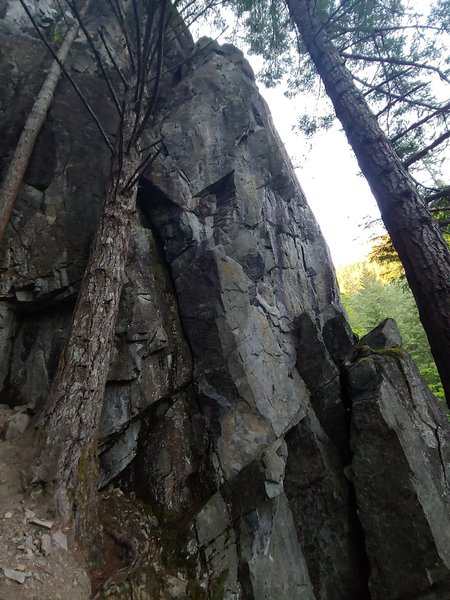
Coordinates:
<point>160,45</point>
<point>146,60</point>
<point>118,13</point>
<point>62,13</point>
<point>140,77</point>
<point>397,61</point>
<point>438,195</point>
<point>196,17</point>
<point>334,13</point>
<point>402,98</point>
<point>436,113</point>
<point>69,77</point>
<point>396,99</point>
<point>112,58</point>
<point>343,30</point>
<point>98,59</point>
<point>442,209</point>
<point>144,164</point>
<point>146,43</point>
<point>379,86</point>
<point>418,155</point>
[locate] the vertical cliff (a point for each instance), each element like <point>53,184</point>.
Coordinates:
<point>246,445</point>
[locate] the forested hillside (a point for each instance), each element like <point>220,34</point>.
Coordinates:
<point>370,295</point>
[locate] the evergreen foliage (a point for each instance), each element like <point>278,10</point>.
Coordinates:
<point>385,256</point>
<point>397,54</point>
<point>370,297</point>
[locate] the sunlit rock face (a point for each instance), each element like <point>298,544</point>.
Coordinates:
<point>246,255</point>
<point>275,462</point>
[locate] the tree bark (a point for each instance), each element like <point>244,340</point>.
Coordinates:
<point>72,413</point>
<point>69,425</point>
<point>19,162</point>
<point>415,235</point>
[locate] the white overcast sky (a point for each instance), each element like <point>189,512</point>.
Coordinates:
<point>328,173</point>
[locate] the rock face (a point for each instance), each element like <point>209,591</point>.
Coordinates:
<point>270,465</point>
<point>400,470</point>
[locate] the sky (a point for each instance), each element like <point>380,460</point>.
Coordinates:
<point>327,171</point>
<point>329,175</point>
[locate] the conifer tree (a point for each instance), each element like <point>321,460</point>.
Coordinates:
<point>416,236</point>
<point>67,441</point>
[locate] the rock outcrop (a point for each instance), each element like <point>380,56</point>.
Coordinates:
<point>400,471</point>
<point>247,445</point>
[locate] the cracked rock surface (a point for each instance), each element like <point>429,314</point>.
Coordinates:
<point>248,448</point>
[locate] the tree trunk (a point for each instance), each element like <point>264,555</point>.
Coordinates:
<point>19,162</point>
<point>415,235</point>
<point>72,414</point>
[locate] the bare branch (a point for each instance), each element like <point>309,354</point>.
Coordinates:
<point>396,99</point>
<point>139,77</point>
<point>442,209</point>
<point>144,164</point>
<point>438,195</point>
<point>62,13</point>
<point>152,145</point>
<point>112,59</point>
<point>146,44</point>
<point>186,60</point>
<point>160,45</point>
<point>343,30</point>
<point>146,63</point>
<point>196,17</point>
<point>436,113</point>
<point>335,12</point>
<point>118,13</point>
<point>185,7</point>
<point>378,86</point>
<point>418,155</point>
<point>69,77</point>
<point>402,98</point>
<point>73,7</point>
<point>397,61</point>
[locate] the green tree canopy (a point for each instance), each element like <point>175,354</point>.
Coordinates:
<point>369,299</point>
<point>397,53</point>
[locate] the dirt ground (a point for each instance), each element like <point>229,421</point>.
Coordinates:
<point>38,559</point>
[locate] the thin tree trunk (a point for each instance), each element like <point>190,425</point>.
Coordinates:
<point>415,235</point>
<point>71,417</point>
<point>72,414</point>
<point>17,167</point>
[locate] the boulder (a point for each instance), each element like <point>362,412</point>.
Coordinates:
<point>400,441</point>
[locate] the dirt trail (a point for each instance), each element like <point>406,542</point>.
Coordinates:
<point>34,548</point>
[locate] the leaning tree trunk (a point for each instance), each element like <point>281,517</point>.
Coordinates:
<point>19,162</point>
<point>72,413</point>
<point>415,235</point>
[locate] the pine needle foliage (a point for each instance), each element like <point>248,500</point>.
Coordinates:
<point>397,53</point>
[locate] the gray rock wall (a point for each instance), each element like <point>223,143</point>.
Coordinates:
<point>246,255</point>
<point>270,464</point>
<point>400,467</point>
